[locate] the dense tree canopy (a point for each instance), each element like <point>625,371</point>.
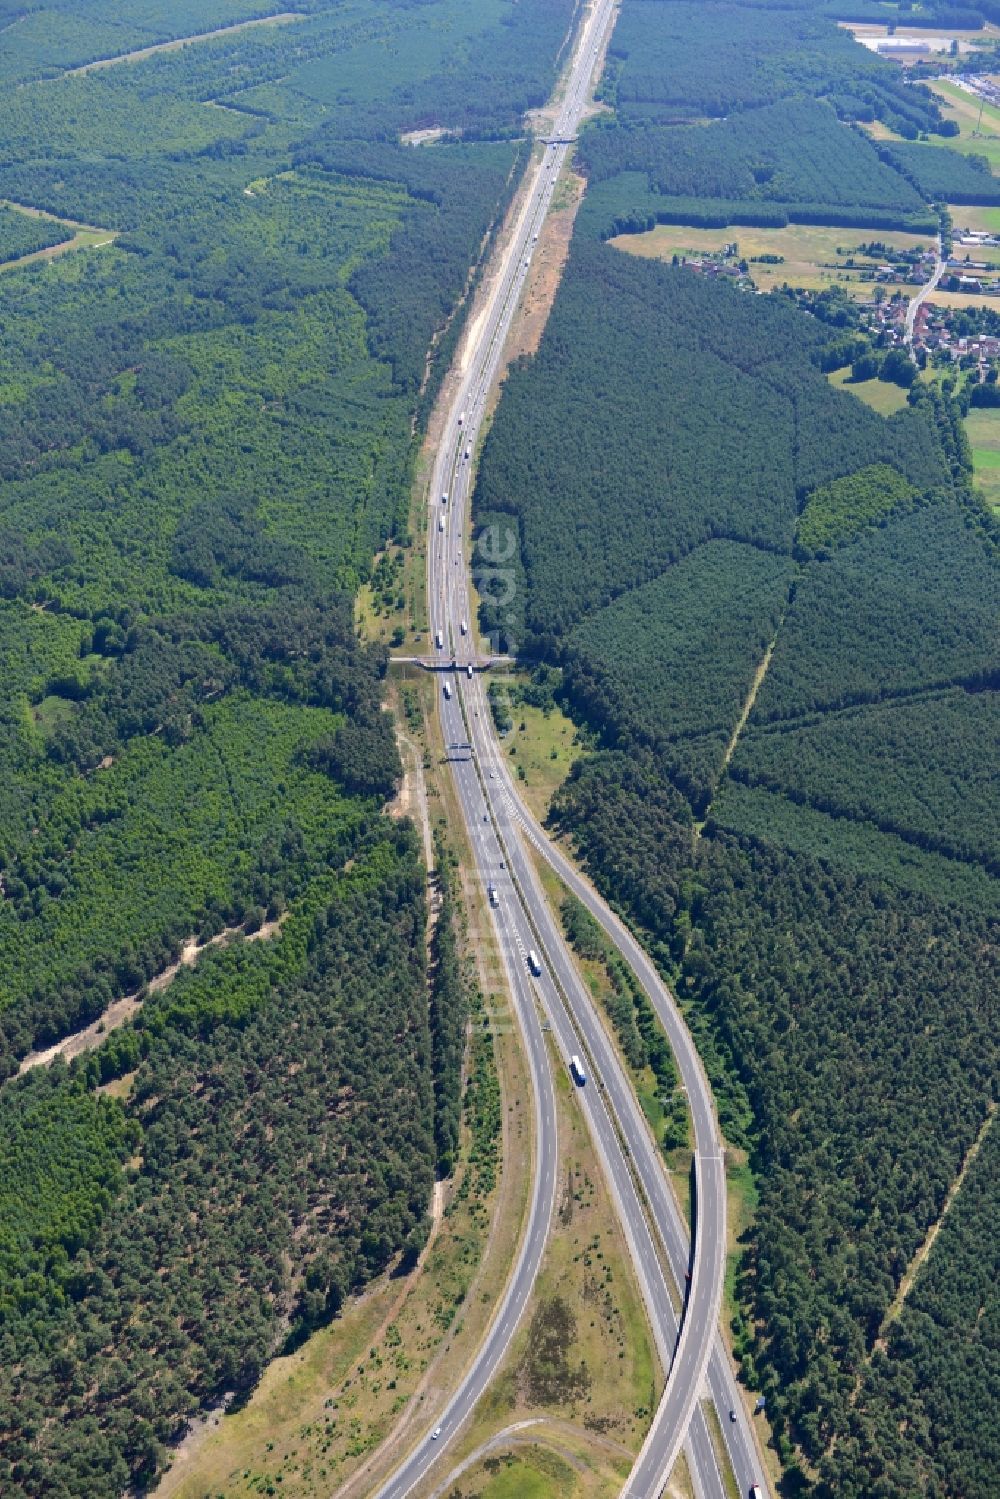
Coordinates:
<point>705,529</point>
<point>209,422</point>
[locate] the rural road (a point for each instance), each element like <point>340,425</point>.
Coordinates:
<point>916,302</point>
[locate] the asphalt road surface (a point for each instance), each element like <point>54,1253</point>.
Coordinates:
<point>500,828</point>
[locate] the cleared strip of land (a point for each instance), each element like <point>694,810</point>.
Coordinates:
<point>283,18</point>
<point>909,1279</point>
<point>85,237</point>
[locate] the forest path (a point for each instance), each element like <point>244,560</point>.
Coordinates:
<point>121,1010</point>
<point>914,1267</point>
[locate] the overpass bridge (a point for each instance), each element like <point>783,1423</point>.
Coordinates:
<point>452,663</point>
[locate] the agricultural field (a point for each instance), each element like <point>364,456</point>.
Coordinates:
<point>978,133</point>
<point>962,299</point>
<point>973,216</point>
<point>811,256</point>
<point>983,429</point>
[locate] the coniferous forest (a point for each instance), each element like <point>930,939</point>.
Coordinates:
<point>706,529</point>
<point>222,270</point>
<point>211,402</point>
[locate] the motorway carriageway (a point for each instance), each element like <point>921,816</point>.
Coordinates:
<point>498,826</point>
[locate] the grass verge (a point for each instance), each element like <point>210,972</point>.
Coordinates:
<point>542,744</point>
<point>583,1365</point>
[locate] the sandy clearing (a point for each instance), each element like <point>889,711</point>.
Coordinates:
<point>121,1010</point>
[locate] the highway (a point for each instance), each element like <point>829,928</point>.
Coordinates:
<point>500,830</point>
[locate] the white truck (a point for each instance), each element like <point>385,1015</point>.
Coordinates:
<point>468,670</point>
<point>534,963</point>
<point>440,522</point>
<point>494,895</point>
<point>439,640</point>
<point>461,418</point>
<point>447,689</point>
<point>464,627</point>
<point>577,1069</point>
<point>444,499</point>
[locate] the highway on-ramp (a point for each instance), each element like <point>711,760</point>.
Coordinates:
<point>535,953</point>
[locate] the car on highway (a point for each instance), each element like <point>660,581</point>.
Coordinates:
<point>732,1415</point>
<point>435,1433</point>
<point>756,1492</point>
